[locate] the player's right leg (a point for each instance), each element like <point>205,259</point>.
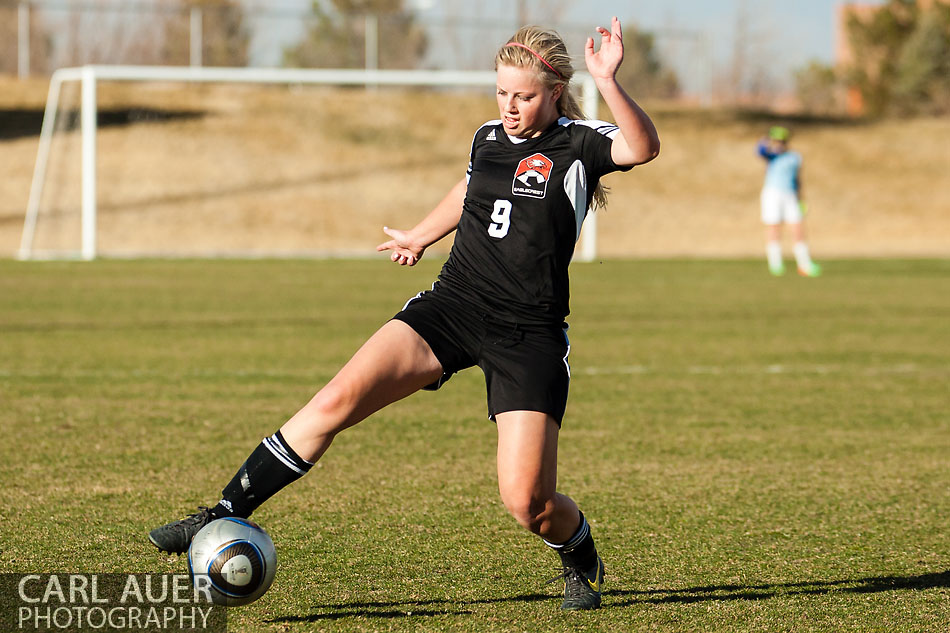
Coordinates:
<point>773,249</point>
<point>771,200</point>
<point>394,363</point>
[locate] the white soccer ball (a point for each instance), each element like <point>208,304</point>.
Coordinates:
<point>233,560</point>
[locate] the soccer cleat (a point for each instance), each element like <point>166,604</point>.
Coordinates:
<point>582,588</point>
<point>175,537</point>
<point>777,270</point>
<point>812,270</point>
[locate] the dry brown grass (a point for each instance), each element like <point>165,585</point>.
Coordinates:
<point>317,169</point>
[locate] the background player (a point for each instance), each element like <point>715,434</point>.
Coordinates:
<point>500,300</point>
<point>782,203</point>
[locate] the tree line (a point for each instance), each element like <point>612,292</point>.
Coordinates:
<point>900,63</point>
<point>334,38</point>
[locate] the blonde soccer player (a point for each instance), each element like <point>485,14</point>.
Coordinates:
<point>500,300</point>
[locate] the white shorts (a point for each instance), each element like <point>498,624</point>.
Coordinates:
<point>780,205</point>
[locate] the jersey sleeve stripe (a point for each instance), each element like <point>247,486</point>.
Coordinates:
<point>575,186</point>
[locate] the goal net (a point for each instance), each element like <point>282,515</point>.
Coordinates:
<point>199,162</point>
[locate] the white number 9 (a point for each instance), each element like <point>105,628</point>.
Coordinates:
<point>501,219</point>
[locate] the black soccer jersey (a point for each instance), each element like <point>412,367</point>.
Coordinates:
<point>522,216</point>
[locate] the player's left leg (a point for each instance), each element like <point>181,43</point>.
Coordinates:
<point>527,479</point>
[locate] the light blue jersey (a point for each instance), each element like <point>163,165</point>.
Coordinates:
<point>782,170</point>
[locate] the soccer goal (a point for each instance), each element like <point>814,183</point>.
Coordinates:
<point>197,162</point>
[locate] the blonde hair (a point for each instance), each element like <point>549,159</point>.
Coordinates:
<point>543,51</point>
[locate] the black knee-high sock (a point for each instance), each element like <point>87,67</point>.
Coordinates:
<point>269,468</point>
<point>579,550</point>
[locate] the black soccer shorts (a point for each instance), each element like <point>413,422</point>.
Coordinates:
<point>525,366</point>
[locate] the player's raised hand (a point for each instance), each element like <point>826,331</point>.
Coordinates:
<point>405,251</point>
<point>604,63</point>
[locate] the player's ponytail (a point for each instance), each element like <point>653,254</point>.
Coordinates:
<point>545,52</point>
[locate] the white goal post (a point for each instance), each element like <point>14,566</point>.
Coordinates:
<point>89,76</point>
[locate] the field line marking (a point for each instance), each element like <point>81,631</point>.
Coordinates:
<point>593,370</point>
<point>772,369</point>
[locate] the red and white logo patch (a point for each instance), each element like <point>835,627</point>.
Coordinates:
<point>531,177</point>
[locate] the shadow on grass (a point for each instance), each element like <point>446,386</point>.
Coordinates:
<point>720,593</point>
<point>404,609</point>
<point>264,187</point>
<point>216,192</point>
<point>709,593</point>
<point>759,117</point>
<point>23,122</point>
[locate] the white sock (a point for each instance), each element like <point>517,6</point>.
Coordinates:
<point>802,258</point>
<point>773,250</point>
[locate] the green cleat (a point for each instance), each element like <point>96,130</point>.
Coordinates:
<point>777,271</point>
<point>813,270</point>
<point>582,588</point>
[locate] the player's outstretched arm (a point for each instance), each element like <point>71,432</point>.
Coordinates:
<point>408,246</point>
<point>763,149</point>
<point>638,141</point>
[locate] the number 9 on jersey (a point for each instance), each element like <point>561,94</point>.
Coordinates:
<point>501,219</point>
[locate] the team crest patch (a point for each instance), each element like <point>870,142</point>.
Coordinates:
<point>531,177</point>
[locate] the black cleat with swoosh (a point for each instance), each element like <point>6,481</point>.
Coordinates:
<point>582,588</point>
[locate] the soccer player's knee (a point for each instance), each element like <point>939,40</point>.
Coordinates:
<point>333,401</point>
<point>528,510</point>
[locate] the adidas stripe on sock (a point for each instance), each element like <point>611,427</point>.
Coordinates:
<point>272,466</point>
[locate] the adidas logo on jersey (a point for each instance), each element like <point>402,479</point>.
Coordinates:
<point>491,136</point>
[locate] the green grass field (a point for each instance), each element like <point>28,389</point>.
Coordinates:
<point>755,454</point>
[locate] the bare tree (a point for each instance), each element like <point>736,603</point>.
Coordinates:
<point>112,32</point>
<point>104,32</point>
<point>750,77</point>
